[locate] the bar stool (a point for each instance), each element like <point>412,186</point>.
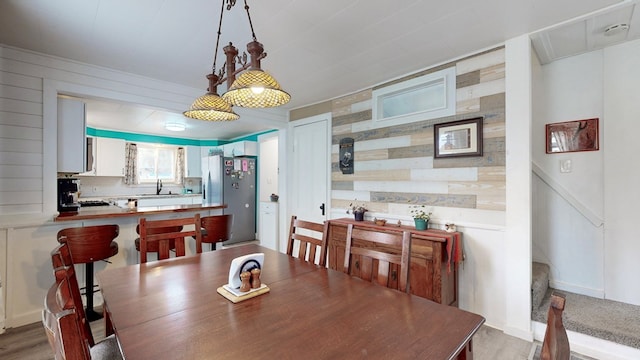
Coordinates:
<point>216,229</point>
<point>87,245</point>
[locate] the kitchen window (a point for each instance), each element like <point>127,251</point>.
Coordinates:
<point>157,162</point>
<point>426,97</point>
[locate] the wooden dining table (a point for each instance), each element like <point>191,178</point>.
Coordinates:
<point>170,309</point>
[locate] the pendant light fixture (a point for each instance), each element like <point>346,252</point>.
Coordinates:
<point>211,106</point>
<point>254,88</point>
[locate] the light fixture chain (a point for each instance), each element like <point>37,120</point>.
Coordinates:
<point>215,57</point>
<point>246,7</point>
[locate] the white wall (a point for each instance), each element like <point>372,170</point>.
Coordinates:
<point>584,220</point>
<point>516,252</point>
<point>622,172</point>
<point>568,207</point>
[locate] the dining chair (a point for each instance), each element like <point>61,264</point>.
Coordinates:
<point>88,244</point>
<point>556,344</point>
<point>311,238</point>
<point>62,326</point>
<point>150,238</point>
<point>61,260</point>
<point>379,257</point>
<point>153,247</point>
<point>216,228</point>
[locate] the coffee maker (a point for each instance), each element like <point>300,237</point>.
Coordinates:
<point>68,195</point>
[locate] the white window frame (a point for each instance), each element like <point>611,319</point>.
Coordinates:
<point>175,159</point>
<point>445,76</point>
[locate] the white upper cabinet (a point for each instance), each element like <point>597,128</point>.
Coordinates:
<point>108,157</point>
<point>193,163</point>
<point>240,148</point>
<point>71,136</point>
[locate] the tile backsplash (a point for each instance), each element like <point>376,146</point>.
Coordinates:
<point>98,186</point>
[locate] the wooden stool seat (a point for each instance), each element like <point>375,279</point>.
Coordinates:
<point>216,228</point>
<point>87,245</point>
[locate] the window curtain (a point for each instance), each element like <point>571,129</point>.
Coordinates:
<point>180,166</point>
<point>131,164</point>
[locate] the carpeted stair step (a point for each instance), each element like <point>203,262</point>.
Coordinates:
<point>539,283</point>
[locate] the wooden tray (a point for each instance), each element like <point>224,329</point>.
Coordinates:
<point>231,296</point>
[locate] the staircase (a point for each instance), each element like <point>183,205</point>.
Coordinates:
<point>539,284</point>
<point>604,319</point>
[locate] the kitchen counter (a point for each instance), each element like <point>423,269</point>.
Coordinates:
<point>105,212</point>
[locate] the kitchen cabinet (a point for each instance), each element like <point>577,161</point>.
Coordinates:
<point>193,163</point>
<point>108,157</point>
<point>269,225</point>
<point>71,136</point>
<point>163,200</point>
<point>240,148</point>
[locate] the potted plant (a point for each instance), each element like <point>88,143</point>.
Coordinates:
<point>357,210</point>
<point>420,216</point>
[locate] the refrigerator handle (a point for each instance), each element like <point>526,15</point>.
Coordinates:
<point>204,193</point>
<point>322,208</point>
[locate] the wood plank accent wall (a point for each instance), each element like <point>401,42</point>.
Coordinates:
<point>394,166</point>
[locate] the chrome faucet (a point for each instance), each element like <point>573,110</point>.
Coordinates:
<point>158,186</point>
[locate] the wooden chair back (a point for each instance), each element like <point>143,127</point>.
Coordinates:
<point>153,247</point>
<point>376,258</point>
<point>556,342</point>
<point>90,243</point>
<point>60,321</point>
<point>149,237</point>
<point>63,269</point>
<point>311,237</point>
<point>217,228</point>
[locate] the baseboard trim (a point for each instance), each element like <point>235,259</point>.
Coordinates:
<point>24,319</point>
<point>563,286</point>
<point>519,333</point>
<point>591,346</point>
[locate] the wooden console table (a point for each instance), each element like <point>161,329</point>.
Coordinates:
<point>435,255</point>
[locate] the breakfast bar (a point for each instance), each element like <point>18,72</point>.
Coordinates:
<point>108,212</point>
<point>30,239</point>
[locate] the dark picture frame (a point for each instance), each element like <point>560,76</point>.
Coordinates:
<point>458,138</point>
<point>572,136</point>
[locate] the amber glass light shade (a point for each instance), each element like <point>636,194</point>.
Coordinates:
<point>255,88</point>
<point>210,106</point>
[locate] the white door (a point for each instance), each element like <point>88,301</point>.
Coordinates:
<point>310,167</point>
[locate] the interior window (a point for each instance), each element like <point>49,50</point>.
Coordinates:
<point>426,97</point>
<point>156,162</point>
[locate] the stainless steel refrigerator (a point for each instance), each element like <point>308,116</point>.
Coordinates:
<point>232,181</point>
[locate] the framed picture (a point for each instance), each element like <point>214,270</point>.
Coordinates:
<point>458,138</point>
<point>570,136</point>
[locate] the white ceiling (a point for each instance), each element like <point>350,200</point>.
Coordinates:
<point>316,49</point>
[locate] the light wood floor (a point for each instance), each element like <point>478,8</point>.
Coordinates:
<point>29,342</point>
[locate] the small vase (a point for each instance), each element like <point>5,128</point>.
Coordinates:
<point>358,215</point>
<point>421,224</point>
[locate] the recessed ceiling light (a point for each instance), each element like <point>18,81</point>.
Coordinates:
<point>175,126</point>
<point>615,29</point>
